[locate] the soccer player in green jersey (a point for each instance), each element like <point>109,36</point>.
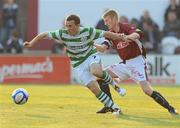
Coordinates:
<point>84,58</point>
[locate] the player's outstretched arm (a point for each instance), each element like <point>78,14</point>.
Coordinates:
<point>101,47</point>
<point>57,41</point>
<point>112,35</point>
<point>36,39</point>
<point>134,36</point>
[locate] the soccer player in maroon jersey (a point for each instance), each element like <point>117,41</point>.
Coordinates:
<point>131,51</point>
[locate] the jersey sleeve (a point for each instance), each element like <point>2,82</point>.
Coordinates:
<point>128,29</point>
<point>96,33</point>
<point>107,42</point>
<point>55,34</point>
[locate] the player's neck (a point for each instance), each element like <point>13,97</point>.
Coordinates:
<point>75,33</point>
<point>116,27</point>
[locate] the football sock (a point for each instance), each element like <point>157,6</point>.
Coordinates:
<point>104,87</point>
<point>160,99</point>
<point>106,100</point>
<point>108,79</point>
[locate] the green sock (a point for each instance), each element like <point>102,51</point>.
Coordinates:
<point>105,99</point>
<point>108,79</point>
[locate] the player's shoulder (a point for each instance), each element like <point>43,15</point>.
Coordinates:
<point>58,32</point>
<point>124,24</point>
<point>86,30</point>
<point>63,30</point>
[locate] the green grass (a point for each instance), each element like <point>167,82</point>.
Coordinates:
<point>75,107</point>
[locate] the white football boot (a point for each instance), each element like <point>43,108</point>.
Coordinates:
<point>121,91</point>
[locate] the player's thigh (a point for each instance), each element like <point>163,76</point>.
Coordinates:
<point>86,77</point>
<point>84,74</point>
<point>111,73</point>
<point>96,69</point>
<point>118,70</point>
<point>138,72</point>
<point>94,59</point>
<point>95,65</point>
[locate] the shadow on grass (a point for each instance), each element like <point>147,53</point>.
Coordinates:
<point>37,116</point>
<point>174,121</point>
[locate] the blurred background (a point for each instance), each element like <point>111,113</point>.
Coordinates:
<point>46,62</point>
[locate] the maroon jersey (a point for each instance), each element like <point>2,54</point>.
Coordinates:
<point>127,50</point>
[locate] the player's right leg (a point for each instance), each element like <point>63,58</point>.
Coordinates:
<point>118,71</point>
<point>105,88</point>
<point>103,97</point>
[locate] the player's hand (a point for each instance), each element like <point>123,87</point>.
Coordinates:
<point>27,44</point>
<point>129,39</point>
<point>124,37</point>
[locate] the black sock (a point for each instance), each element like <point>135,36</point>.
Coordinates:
<point>104,87</point>
<point>160,100</point>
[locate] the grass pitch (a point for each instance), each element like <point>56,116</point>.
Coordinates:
<point>75,107</point>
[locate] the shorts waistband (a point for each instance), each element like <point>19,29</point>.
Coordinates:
<point>125,61</point>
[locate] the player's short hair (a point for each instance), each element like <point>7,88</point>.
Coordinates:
<point>111,13</point>
<point>73,17</point>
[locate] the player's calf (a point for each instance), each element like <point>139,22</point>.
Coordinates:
<point>104,87</point>
<point>163,102</point>
<point>108,79</point>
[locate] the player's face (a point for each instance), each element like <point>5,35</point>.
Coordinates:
<point>109,22</point>
<point>72,28</point>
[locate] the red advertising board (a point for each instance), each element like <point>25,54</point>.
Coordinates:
<point>35,69</point>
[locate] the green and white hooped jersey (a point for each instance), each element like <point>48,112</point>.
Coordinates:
<point>78,47</point>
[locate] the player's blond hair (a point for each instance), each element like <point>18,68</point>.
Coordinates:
<point>111,13</point>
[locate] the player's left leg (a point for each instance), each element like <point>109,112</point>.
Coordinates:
<point>121,91</point>
<point>139,74</point>
<point>96,70</point>
<point>88,80</point>
<point>147,89</point>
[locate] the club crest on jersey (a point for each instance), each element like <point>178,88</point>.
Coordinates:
<point>83,39</point>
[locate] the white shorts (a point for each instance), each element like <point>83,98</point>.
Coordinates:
<point>83,70</point>
<point>133,68</point>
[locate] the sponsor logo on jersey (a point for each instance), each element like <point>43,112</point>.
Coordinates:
<point>122,45</point>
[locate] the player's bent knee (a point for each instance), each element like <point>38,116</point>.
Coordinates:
<point>111,73</point>
<point>147,92</point>
<point>147,89</point>
<point>96,71</point>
